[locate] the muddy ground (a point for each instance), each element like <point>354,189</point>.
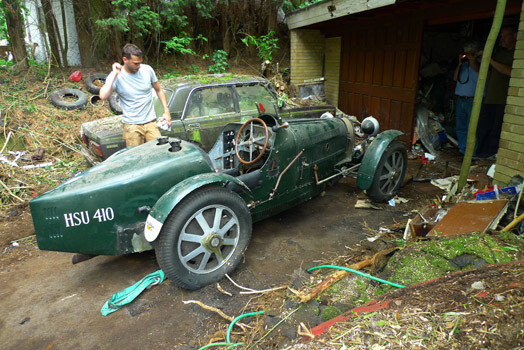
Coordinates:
<point>46,302</point>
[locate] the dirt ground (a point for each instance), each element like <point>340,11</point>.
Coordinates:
<point>46,302</point>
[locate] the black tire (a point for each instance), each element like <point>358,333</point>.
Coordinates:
<point>95,82</point>
<point>57,99</point>
<point>114,103</point>
<point>187,254</point>
<point>390,173</point>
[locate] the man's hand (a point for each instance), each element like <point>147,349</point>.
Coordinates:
<point>167,117</point>
<point>107,90</point>
<point>116,67</point>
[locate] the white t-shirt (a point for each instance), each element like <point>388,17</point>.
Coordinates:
<point>136,94</point>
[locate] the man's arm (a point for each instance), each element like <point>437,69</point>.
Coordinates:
<point>501,67</point>
<point>457,70</point>
<point>107,90</point>
<point>163,100</point>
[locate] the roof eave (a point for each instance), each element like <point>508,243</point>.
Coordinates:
<point>331,9</point>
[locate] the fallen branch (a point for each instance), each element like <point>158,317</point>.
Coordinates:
<point>6,141</point>
<point>340,275</point>
<point>304,331</point>
<point>220,312</point>
<point>9,191</point>
<point>221,290</point>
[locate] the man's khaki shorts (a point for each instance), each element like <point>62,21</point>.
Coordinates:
<point>137,134</point>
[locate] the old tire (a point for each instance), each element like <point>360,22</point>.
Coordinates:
<point>114,103</point>
<point>204,237</point>
<point>95,82</point>
<point>57,99</point>
<point>390,173</point>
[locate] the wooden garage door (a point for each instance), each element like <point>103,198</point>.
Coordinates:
<point>379,73</point>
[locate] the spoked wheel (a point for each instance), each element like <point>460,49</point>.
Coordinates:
<point>390,173</point>
<point>204,237</point>
<point>248,138</point>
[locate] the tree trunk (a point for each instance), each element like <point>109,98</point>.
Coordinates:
<point>84,31</point>
<point>15,30</point>
<point>225,27</point>
<point>65,46</point>
<point>51,33</point>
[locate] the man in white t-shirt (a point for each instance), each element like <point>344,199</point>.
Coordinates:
<point>134,82</point>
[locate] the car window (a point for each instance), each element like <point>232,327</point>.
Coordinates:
<point>210,101</point>
<point>250,96</point>
<point>178,102</point>
<point>157,105</point>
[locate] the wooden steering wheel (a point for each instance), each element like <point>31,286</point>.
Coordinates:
<point>251,142</point>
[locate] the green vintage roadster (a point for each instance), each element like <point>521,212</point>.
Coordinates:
<point>196,209</point>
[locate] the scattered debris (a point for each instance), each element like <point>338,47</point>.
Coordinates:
<point>478,285</point>
<point>214,309</point>
<point>253,291</point>
<point>221,290</point>
<point>365,204</point>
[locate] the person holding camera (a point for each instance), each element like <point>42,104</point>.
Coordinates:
<point>492,112</point>
<point>466,76</point>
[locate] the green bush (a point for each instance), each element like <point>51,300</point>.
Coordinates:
<point>220,62</point>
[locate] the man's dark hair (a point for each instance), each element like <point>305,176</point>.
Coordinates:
<point>131,49</point>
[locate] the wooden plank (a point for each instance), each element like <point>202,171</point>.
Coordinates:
<point>466,217</point>
<point>379,90</point>
<point>375,107</point>
<point>399,70</point>
<point>378,67</point>
<point>389,64</point>
<point>385,116</point>
<point>395,115</point>
<point>368,67</point>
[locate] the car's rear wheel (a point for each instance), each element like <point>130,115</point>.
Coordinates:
<point>390,172</point>
<point>204,237</point>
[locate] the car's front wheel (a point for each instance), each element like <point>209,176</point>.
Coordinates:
<point>204,237</point>
<point>390,172</point>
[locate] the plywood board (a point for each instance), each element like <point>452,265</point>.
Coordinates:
<point>472,216</point>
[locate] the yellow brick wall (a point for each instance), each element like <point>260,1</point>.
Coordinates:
<point>510,157</point>
<point>332,69</point>
<point>307,53</point>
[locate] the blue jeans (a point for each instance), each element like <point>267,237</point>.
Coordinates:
<point>462,114</point>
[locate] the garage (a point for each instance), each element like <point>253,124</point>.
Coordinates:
<point>379,57</point>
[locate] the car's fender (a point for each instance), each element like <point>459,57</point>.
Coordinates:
<point>372,156</point>
<point>173,196</point>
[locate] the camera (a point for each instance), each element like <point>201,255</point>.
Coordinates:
<point>464,59</point>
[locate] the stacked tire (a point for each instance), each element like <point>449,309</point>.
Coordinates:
<point>69,99</point>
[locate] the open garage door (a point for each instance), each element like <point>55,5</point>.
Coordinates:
<point>379,72</point>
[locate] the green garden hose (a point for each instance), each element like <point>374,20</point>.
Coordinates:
<point>355,272</point>
<point>228,335</point>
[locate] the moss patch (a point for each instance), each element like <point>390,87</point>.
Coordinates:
<point>423,261</point>
<point>330,312</point>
